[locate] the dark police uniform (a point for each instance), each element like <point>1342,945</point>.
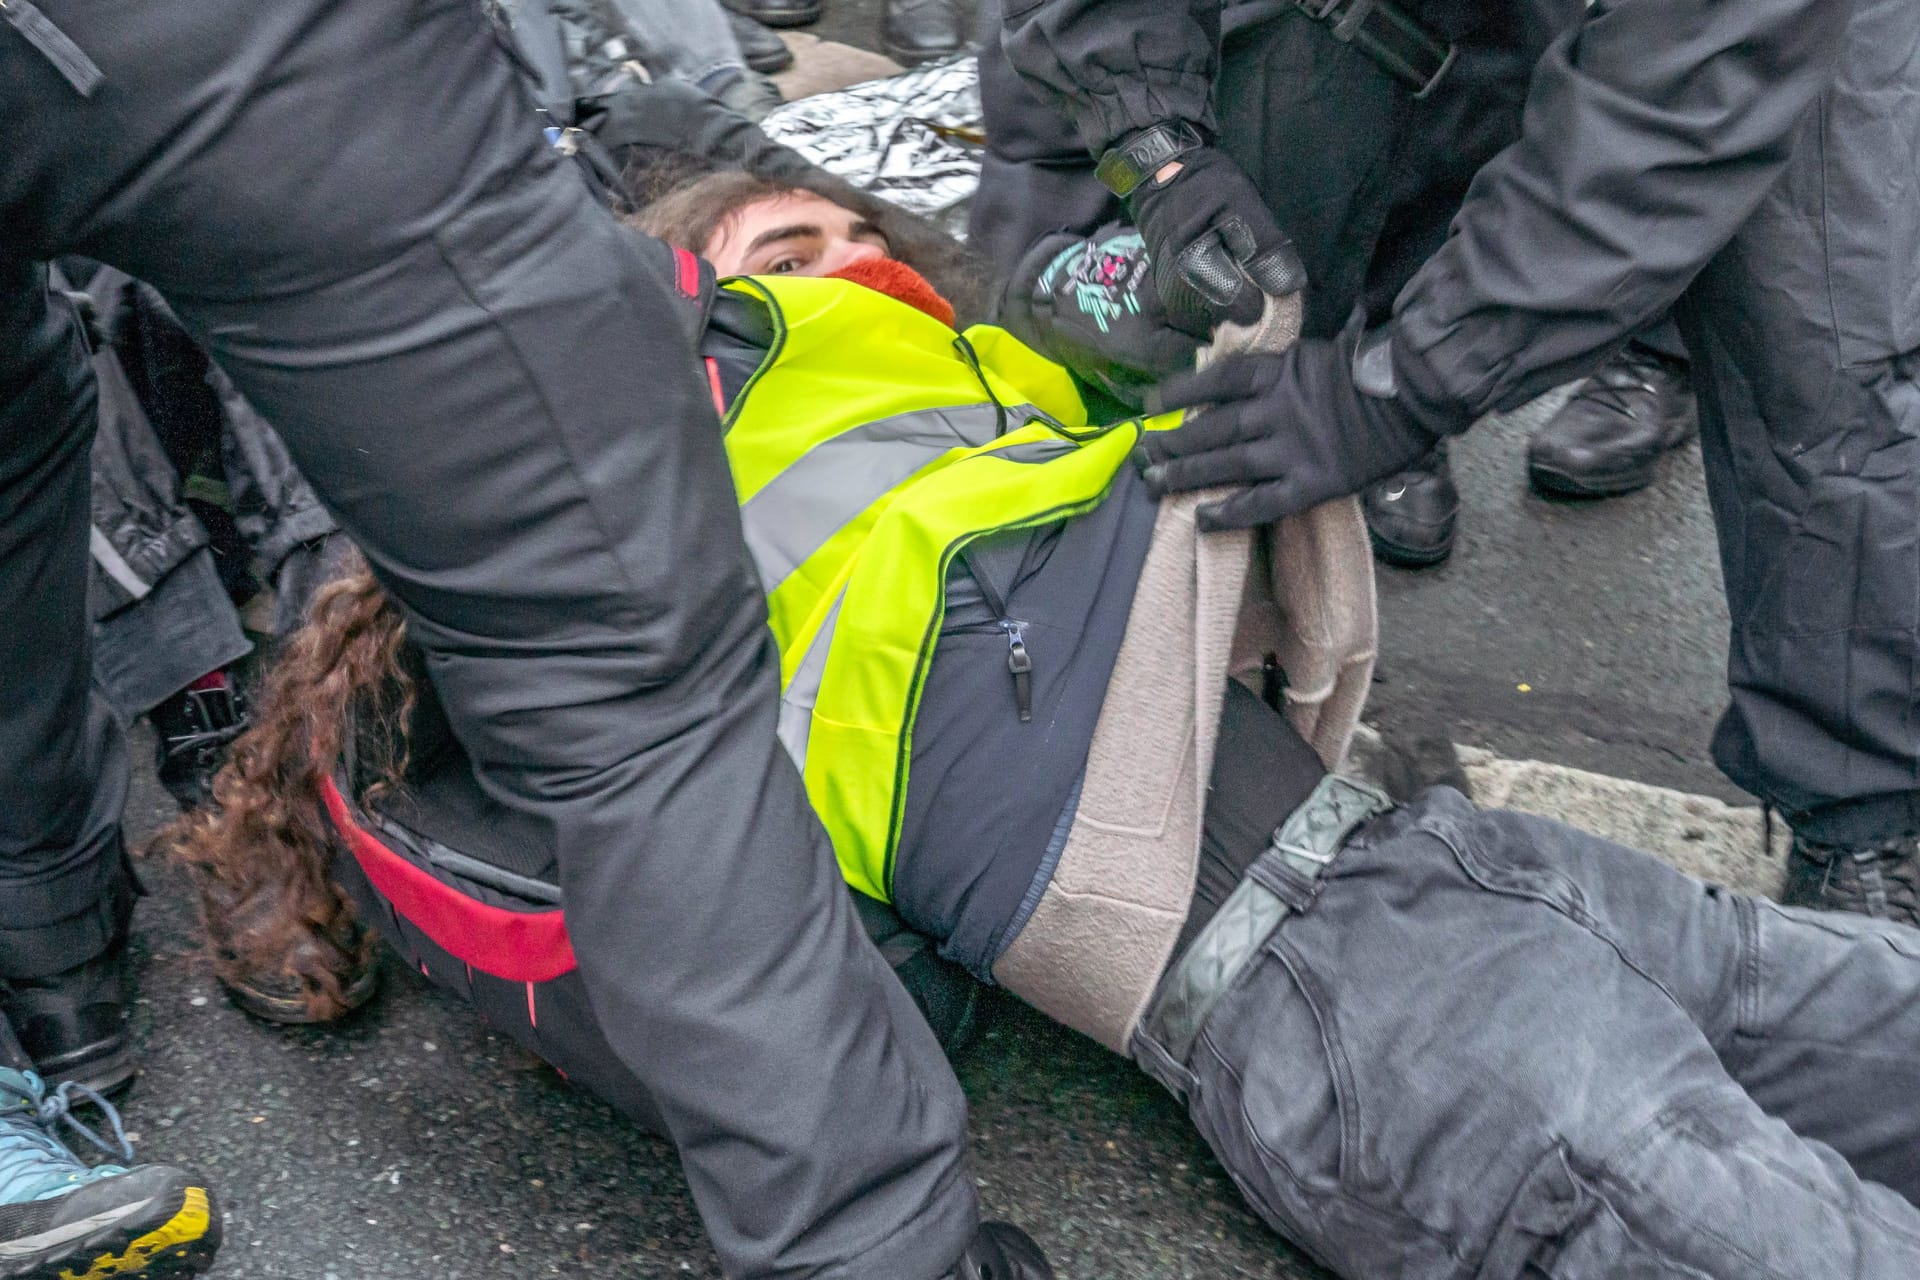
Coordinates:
<point>1754,164</point>
<point>351,205</point>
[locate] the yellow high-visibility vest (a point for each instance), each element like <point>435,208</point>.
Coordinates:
<point>872,444</point>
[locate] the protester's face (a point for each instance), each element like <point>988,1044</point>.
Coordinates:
<point>802,235</point>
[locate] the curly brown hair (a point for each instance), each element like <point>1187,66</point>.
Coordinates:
<point>261,853</point>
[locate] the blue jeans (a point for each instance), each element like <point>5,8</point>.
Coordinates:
<point>687,39</point>
<point>1492,1046</point>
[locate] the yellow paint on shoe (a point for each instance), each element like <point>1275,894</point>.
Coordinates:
<point>189,1224</point>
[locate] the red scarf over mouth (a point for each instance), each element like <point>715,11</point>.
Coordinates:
<point>901,283</point>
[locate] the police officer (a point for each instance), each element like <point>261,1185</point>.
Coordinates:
<point>1751,166</point>
<point>351,205</point>
<point>1360,149</point>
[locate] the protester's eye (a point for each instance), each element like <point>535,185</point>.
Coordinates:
<point>785,266</point>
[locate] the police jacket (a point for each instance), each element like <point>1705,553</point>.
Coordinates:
<point>161,399</point>
<point>1653,130</point>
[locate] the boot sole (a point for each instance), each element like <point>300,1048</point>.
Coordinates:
<point>179,1240</point>
<point>768,64</point>
<point>1401,557</point>
<point>786,22</point>
<point>291,1011</point>
<point>918,57</point>
<point>1559,484</point>
<point>107,1068</point>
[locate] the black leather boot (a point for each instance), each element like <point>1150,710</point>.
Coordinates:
<point>764,51</point>
<point>916,31</point>
<point>1878,881</point>
<point>1001,1252</point>
<point>778,13</point>
<point>75,1025</point>
<point>1609,438</point>
<point>1412,516</point>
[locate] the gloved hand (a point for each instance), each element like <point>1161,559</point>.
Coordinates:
<point>1090,304</point>
<point>1295,427</point>
<point>1215,247</point>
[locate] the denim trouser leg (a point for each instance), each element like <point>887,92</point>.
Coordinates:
<point>1500,1048</point>
<point>687,39</point>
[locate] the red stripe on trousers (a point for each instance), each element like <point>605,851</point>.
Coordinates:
<point>518,946</point>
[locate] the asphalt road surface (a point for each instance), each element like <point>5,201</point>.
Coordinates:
<point>410,1143</point>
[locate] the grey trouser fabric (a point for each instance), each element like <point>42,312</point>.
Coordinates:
<point>1492,1046</point>
<point>690,39</point>
<point>491,383</point>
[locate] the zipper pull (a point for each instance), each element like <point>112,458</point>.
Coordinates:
<point>1020,663</point>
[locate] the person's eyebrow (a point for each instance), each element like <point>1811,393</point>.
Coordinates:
<point>794,232</point>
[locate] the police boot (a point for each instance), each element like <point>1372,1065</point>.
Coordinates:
<point>1881,881</point>
<point>916,31</point>
<point>764,51</point>
<point>1610,436</point>
<point>324,972</point>
<point>74,1025</point>
<point>1412,516</point>
<point>778,13</point>
<point>1001,1251</point>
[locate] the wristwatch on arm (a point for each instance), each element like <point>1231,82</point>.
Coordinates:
<point>1215,246</point>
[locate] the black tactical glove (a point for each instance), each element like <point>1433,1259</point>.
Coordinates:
<point>1090,304</point>
<point>1215,247</point>
<point>1297,428</point>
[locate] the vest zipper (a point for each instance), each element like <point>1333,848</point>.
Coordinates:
<point>1020,663</point>
<point>1019,660</point>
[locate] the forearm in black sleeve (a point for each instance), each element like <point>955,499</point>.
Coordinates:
<point>1652,132</point>
<point>1118,65</point>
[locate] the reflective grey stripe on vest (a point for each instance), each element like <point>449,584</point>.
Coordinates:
<point>825,489</point>
<point>796,704</point>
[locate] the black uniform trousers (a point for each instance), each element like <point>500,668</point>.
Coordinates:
<point>492,385</point>
<point>1805,333</point>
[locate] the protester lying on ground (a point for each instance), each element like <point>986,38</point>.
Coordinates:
<point>1424,1040</point>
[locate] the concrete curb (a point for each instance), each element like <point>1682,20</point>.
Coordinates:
<point>1700,835</point>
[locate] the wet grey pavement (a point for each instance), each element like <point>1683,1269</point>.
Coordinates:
<point>410,1143</point>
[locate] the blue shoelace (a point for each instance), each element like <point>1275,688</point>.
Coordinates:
<point>34,1162</point>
